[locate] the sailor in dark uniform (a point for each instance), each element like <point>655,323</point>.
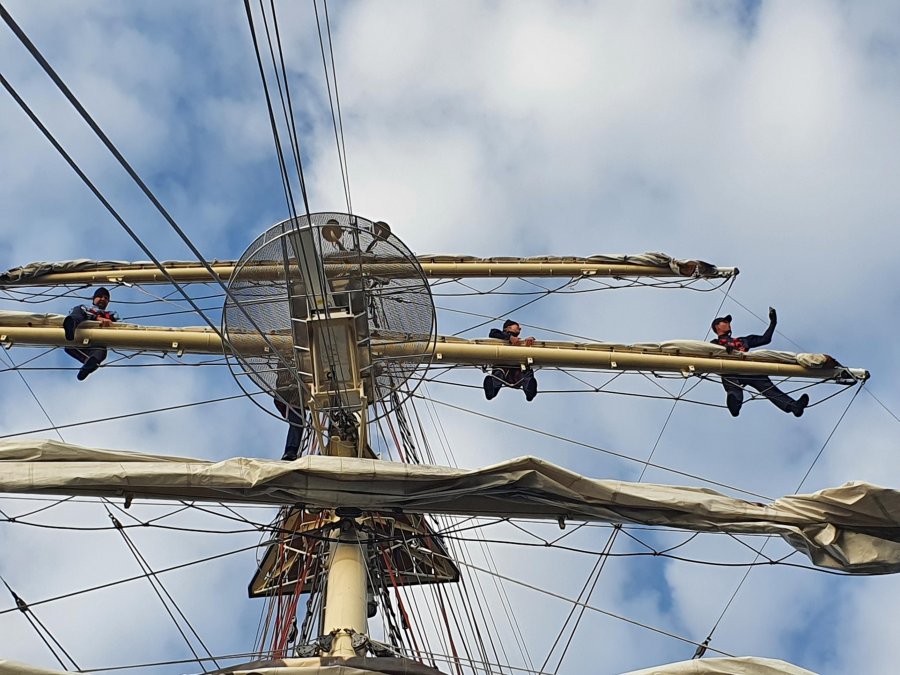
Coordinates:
<point>504,376</point>
<point>735,383</point>
<point>289,404</point>
<point>90,357</point>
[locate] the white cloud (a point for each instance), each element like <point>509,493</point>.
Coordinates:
<point>767,141</point>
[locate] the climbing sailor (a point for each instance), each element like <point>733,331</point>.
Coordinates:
<point>506,376</point>
<point>288,402</point>
<point>734,383</point>
<point>90,357</point>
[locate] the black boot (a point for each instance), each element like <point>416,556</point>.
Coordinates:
<point>799,405</point>
<point>492,386</point>
<point>89,367</point>
<point>734,405</point>
<point>290,454</point>
<point>69,328</point>
<point>530,388</point>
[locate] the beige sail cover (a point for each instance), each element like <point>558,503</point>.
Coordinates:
<point>16,668</point>
<point>311,666</point>
<point>35,270</point>
<point>741,665</point>
<point>855,527</point>
<point>678,348</point>
<point>745,665</point>
<point>669,347</point>
<point>47,320</point>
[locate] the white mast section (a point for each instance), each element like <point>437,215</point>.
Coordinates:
<point>345,595</point>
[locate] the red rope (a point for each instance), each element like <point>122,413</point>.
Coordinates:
<point>291,609</point>
<point>400,604</point>
<point>394,434</point>
<point>262,640</point>
<point>276,635</point>
<point>456,661</point>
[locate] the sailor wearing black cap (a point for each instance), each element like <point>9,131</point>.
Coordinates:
<point>503,376</point>
<point>734,383</point>
<point>90,357</point>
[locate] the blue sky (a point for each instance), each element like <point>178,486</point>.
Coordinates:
<point>763,139</point>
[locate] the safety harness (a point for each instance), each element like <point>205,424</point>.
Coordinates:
<point>97,314</point>
<point>731,344</point>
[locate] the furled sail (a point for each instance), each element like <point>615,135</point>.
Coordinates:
<point>740,665</point>
<point>85,271</point>
<point>15,668</point>
<point>289,666</point>
<point>680,356</point>
<point>743,665</point>
<point>854,528</point>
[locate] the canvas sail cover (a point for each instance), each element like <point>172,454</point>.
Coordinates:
<point>35,270</point>
<point>668,347</point>
<point>650,259</point>
<point>741,665</point>
<point>680,348</point>
<point>854,528</point>
<point>287,666</point>
<point>16,668</point>
<point>43,320</point>
<point>745,665</point>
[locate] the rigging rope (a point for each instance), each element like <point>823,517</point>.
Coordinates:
<point>591,581</point>
<point>645,464</point>
<point>287,110</point>
<point>887,410</point>
<point>127,415</point>
<point>594,447</point>
<point>159,589</point>
<point>613,615</point>
<point>508,312</point>
<point>42,631</point>
<point>33,50</point>
<point>40,405</point>
<point>336,120</point>
<point>488,556</point>
<point>138,577</point>
<point>702,648</point>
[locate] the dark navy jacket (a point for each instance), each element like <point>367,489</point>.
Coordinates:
<point>742,344</point>
<point>84,313</point>
<point>498,334</point>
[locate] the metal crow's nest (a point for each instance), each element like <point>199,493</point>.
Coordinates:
<point>329,264</point>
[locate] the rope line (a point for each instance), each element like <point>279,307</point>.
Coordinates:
<point>127,415</point>
<point>596,448</point>
<point>48,69</point>
<point>612,615</point>
<point>42,631</point>
<point>700,651</point>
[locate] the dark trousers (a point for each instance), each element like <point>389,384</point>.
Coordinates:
<point>296,424</point>
<point>517,378</point>
<point>762,384</point>
<point>84,353</point>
